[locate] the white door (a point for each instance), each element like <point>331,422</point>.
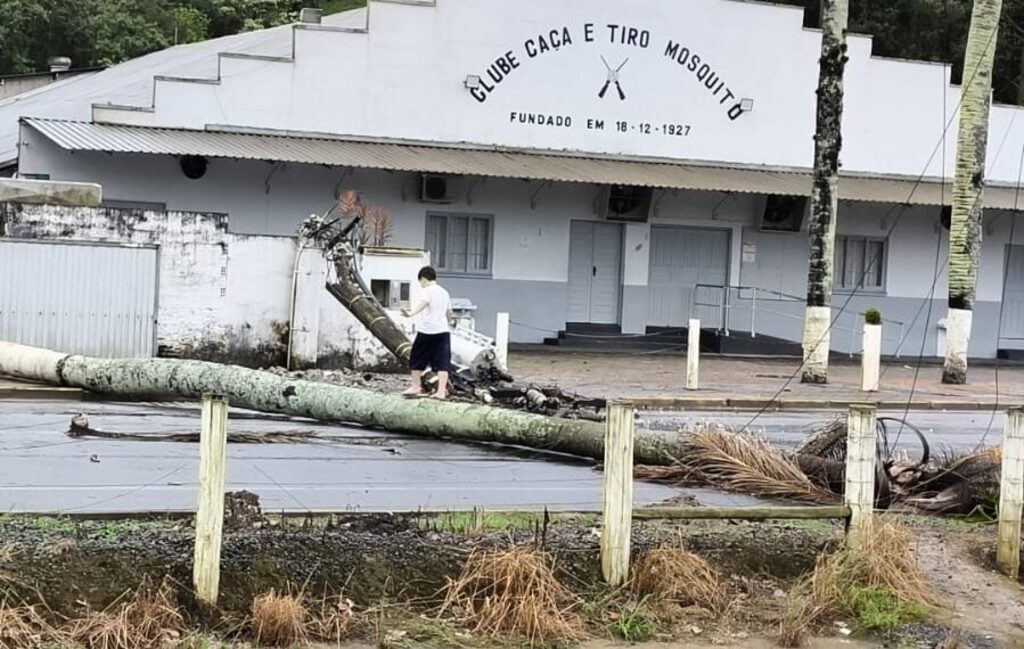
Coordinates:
<point>595,268</point>
<point>1011,329</point>
<point>681,258</point>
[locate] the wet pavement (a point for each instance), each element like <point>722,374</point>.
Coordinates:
<point>44,470</point>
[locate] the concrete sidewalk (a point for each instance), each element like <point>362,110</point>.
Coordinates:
<point>725,382</point>
<point>732,382</point>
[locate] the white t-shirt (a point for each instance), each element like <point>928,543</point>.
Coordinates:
<point>434,319</point>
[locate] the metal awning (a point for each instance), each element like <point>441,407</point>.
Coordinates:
<point>526,165</point>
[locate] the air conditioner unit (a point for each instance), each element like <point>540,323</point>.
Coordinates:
<point>435,189</point>
<point>784,214</point>
<point>627,204</point>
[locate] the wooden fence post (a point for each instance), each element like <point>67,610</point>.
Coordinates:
<point>501,340</point>
<point>617,526</point>
<point>871,358</point>
<point>210,508</point>
<point>1011,494</point>
<point>861,451</point>
<point>693,356</point>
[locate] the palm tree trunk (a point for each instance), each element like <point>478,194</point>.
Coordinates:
<point>345,288</point>
<point>163,378</point>
<point>968,186</point>
<point>828,141</point>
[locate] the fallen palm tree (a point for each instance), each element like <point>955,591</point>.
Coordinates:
<point>953,483</point>
<point>947,483</point>
<point>748,464</point>
<point>478,375</point>
<point>162,378</point>
<point>742,463</point>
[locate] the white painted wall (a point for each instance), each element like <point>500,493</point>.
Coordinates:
<point>221,296</point>
<point>405,78</point>
<point>531,243</point>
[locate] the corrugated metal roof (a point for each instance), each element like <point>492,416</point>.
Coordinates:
<point>84,136</point>
<point>110,138</point>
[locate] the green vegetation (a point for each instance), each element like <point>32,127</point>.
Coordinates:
<point>632,621</point>
<point>479,521</point>
<point>878,609</point>
<point>336,6</point>
<point>872,317</point>
<point>62,525</point>
<point>105,32</point>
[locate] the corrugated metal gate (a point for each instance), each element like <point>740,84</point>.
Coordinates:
<point>93,299</point>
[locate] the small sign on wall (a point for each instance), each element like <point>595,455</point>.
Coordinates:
<point>749,253</point>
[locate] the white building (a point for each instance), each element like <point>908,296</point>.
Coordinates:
<point>492,132</point>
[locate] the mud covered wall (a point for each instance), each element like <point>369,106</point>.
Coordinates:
<point>222,296</point>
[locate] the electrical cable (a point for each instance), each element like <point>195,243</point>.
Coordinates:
<point>869,267</point>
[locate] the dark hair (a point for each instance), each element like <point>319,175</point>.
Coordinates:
<point>428,273</point>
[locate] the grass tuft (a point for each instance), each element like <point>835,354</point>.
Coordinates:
<point>145,619</point>
<point>21,627</point>
<point>633,621</point>
<point>879,582</point>
<point>331,620</point>
<point>514,592</point>
<point>674,576</point>
<point>279,620</point>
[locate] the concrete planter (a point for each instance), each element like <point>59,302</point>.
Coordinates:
<point>871,360</point>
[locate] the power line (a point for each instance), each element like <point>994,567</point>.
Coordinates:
<point>941,144</point>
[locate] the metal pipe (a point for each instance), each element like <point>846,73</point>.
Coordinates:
<point>753,314</point>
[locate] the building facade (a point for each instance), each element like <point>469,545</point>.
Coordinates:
<point>570,163</point>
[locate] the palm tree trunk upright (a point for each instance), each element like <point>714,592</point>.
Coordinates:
<point>968,186</point>
<point>828,141</point>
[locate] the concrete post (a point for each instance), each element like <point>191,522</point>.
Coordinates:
<point>501,340</point>
<point>871,358</point>
<point>693,356</point>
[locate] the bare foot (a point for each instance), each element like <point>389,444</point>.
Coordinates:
<point>439,397</point>
<point>412,393</point>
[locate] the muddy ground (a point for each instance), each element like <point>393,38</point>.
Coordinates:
<point>407,560</point>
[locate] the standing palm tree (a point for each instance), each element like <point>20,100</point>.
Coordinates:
<point>968,185</point>
<point>828,140</point>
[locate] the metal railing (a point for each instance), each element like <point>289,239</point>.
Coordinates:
<point>726,301</point>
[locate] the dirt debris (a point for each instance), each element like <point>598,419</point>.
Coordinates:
<point>400,559</point>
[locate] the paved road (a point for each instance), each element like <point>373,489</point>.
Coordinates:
<point>41,469</point>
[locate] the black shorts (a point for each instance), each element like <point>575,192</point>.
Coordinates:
<point>434,350</point>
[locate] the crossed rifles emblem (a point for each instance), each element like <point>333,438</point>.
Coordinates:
<point>613,77</point>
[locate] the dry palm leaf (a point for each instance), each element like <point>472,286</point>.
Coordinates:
<point>747,464</point>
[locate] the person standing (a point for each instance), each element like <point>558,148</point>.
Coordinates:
<point>433,345</point>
